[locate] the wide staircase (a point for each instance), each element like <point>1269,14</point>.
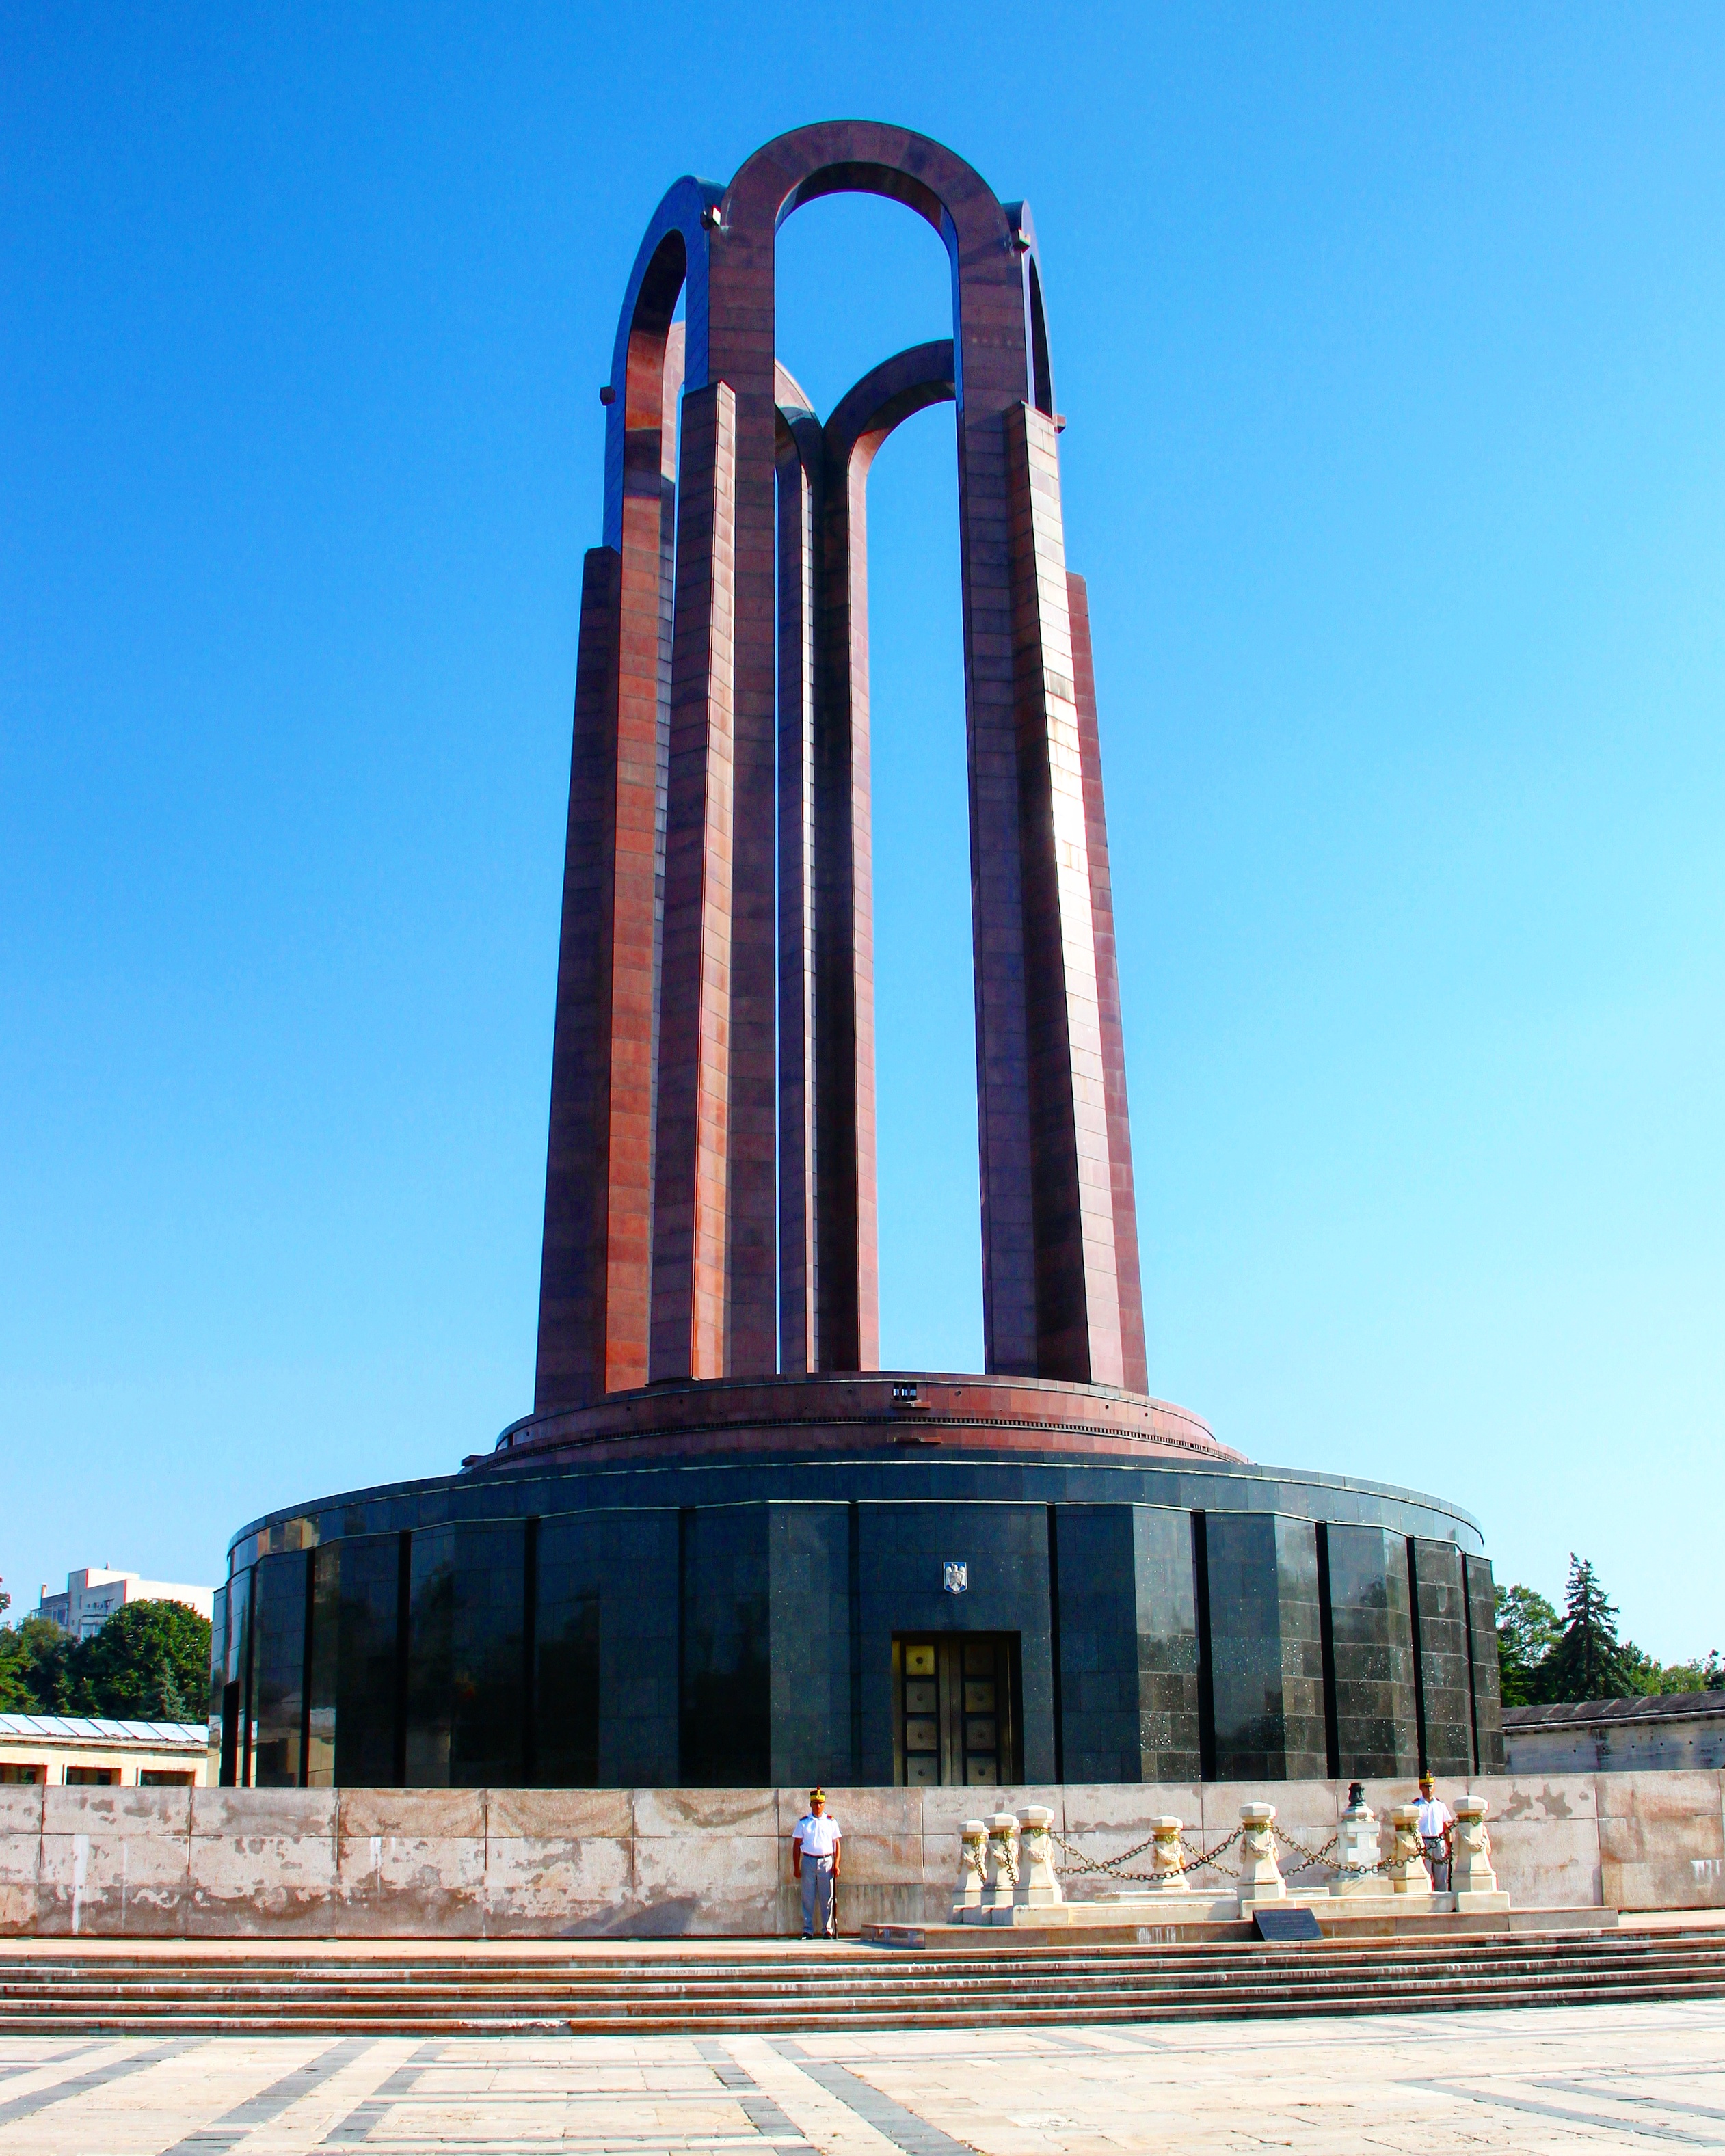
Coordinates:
<point>700,1990</point>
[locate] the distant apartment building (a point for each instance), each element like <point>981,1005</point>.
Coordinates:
<point>93,1595</point>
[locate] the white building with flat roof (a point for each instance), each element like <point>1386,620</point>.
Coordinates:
<point>75,1748</point>
<point>93,1595</point>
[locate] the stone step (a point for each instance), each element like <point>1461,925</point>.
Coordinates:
<point>1061,2000</point>
<point>403,1992</point>
<point>385,1956</point>
<point>966,1977</point>
<point>1160,2003</point>
<point>876,1971</point>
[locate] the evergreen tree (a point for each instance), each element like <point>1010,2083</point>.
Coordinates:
<point>1588,1662</point>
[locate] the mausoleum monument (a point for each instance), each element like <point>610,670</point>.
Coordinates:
<point>725,1547</point>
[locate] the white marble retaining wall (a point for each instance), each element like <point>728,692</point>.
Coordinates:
<point>544,1863</point>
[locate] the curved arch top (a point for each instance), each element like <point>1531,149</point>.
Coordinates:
<point>889,394</point>
<point>866,157</point>
<point>660,274</point>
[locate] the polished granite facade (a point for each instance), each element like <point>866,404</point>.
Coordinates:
<point>730,1618</point>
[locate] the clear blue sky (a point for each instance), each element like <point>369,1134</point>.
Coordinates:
<point>1394,352</point>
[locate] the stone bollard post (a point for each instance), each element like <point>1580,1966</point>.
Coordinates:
<point>1168,1860</point>
<point>1260,1878</point>
<point>1406,1867</point>
<point>1471,1870</point>
<point>1002,1862</point>
<point>1039,1885</point>
<point>1358,1851</point>
<point>972,1871</point>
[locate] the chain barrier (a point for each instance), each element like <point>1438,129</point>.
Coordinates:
<point>1196,1860</point>
<point>1206,1860</point>
<point>1110,1866</point>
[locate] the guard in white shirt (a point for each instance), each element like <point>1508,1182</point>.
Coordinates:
<point>814,1860</point>
<point>1437,1827</point>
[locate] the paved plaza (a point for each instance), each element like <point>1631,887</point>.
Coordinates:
<point>1528,2079</point>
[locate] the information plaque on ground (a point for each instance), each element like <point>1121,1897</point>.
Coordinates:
<point>1281,1927</point>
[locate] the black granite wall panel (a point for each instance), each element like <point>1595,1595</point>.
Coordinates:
<point>605,1650</point>
<point>353,1662</point>
<point>1168,1645</point>
<point>1482,1647</point>
<point>217,1664</point>
<point>1101,1739</point>
<point>1376,1726</point>
<point>808,1557</point>
<point>640,1646</point>
<point>1266,1648</point>
<point>278,1668</point>
<point>1128,1635</point>
<point>1441,1612</point>
<point>568,1631</point>
<point>466,1657</point>
<point>724,1683</point>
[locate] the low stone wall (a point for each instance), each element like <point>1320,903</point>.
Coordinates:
<point>549,1863</point>
<point>1617,1736</point>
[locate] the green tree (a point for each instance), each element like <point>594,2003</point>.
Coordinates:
<point>1588,1662</point>
<point>1693,1676</point>
<point>150,1662</point>
<point>1528,1628</point>
<point>34,1668</point>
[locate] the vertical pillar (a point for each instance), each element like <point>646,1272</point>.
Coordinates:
<point>850,1299</point>
<point>1482,1657</point>
<point>691,1246</point>
<point>752,1226</point>
<point>573,1314</point>
<point>798,458</point>
<point>1133,1361</point>
<point>1078,1316</point>
<point>594,1281</point>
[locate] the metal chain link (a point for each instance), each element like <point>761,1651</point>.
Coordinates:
<point>1082,1863</point>
<point>1111,1868</point>
<point>1198,1862</point>
<point>1207,1861</point>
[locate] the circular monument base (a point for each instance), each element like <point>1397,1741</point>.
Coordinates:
<point>695,1420</point>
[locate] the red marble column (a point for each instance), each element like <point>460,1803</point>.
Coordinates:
<point>849,1301</point>
<point>595,1270</point>
<point>800,452</point>
<point>1077,1288</point>
<point>692,1242</point>
<point>1101,906</point>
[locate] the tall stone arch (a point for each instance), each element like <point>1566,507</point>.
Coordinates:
<point>828,1269</point>
<point>745,1248</point>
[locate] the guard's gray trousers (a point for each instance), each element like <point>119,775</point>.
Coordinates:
<point>817,1897</point>
<point>1437,1861</point>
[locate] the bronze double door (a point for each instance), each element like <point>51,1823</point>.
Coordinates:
<point>957,1715</point>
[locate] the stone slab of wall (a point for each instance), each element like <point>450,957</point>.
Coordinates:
<point>201,1863</point>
